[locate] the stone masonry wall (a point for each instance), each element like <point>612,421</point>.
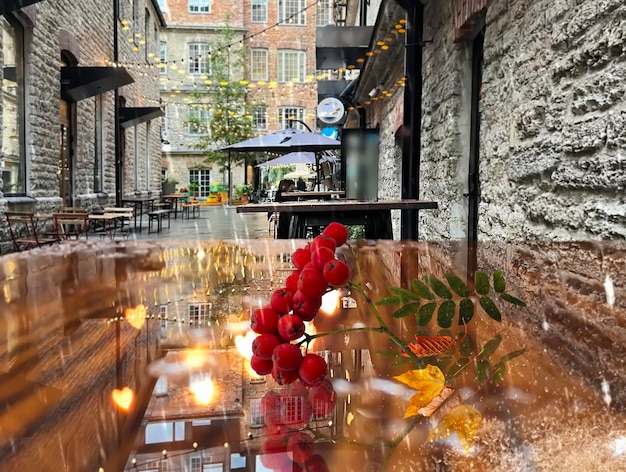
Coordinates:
<point>554,119</point>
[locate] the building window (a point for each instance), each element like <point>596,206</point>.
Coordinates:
<point>163,318</point>
<point>291,409</point>
<point>163,5</point>
<point>324,13</point>
<point>292,12</point>
<point>258,65</point>
<point>165,432</point>
<point>98,163</point>
<point>148,154</point>
<point>285,114</point>
<point>199,6</point>
<point>160,388</point>
<point>147,31</point>
<point>199,62</point>
<point>202,177</point>
<point>256,418</point>
<point>163,58</point>
<point>195,464</point>
<point>291,65</point>
<point>12,145</point>
<point>260,119</point>
<point>259,11</point>
<point>199,118</point>
<point>199,313</point>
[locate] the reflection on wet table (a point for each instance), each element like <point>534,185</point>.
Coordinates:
<point>136,357</point>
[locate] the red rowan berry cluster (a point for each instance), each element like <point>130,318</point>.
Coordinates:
<point>282,321</point>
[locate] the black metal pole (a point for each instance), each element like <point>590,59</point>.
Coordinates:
<point>118,150</point>
<point>411,146</point>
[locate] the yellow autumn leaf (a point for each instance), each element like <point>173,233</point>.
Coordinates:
<point>464,420</point>
<point>429,383</point>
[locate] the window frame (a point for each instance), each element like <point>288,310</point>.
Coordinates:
<point>265,52</point>
<point>258,4</point>
<point>162,57</point>
<point>284,13</point>
<point>193,57</point>
<point>283,117</point>
<point>199,108</point>
<point>198,5</point>
<point>203,317</point>
<point>281,76</point>
<point>325,8</point>
<point>203,181</point>
<point>255,118</point>
<point>21,99</point>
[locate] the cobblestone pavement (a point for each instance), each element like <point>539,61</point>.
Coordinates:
<point>213,223</point>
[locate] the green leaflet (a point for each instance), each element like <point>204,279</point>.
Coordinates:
<point>466,311</point>
<point>490,347</point>
<point>458,367</point>
<point>498,282</point>
<point>511,299</point>
<point>490,308</point>
<point>445,315</point>
<point>422,290</point>
<point>467,346</point>
<point>425,313</point>
<point>403,293</point>
<point>388,354</point>
<point>389,301</point>
<point>438,287</point>
<point>443,362</point>
<point>457,285</point>
<point>482,371</point>
<point>406,310</point>
<point>498,373</point>
<point>481,282</point>
<point>512,355</point>
<point>400,361</point>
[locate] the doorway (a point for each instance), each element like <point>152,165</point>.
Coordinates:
<point>474,154</point>
<point>65,171</point>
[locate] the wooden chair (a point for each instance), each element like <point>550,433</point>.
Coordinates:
<point>24,232</point>
<point>71,225</point>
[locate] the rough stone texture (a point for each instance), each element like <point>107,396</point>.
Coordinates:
<point>91,24</point>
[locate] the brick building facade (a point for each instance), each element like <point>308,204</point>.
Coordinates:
<point>58,142</point>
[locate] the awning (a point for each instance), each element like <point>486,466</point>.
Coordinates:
<point>341,46</point>
<point>7,6</point>
<point>133,116</point>
<point>78,83</point>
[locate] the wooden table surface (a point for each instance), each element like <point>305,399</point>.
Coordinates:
<point>309,195</point>
<point>338,205</point>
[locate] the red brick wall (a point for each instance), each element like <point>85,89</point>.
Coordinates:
<point>177,13</point>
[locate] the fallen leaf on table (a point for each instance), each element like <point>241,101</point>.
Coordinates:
<point>429,383</point>
<point>464,420</point>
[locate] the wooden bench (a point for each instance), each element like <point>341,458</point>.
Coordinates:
<point>191,209</point>
<point>158,215</point>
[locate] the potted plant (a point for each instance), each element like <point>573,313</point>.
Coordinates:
<point>169,185</point>
<point>193,189</point>
<point>242,192</point>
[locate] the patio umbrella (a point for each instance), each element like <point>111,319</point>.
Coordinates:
<point>296,158</point>
<point>285,141</point>
<point>296,174</point>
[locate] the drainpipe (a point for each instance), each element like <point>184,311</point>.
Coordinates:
<point>363,12</point>
<point>118,151</point>
<point>411,145</point>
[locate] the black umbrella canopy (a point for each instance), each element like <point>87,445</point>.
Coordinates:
<point>285,141</point>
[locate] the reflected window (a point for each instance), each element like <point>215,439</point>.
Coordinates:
<point>291,409</point>
<point>199,313</point>
<point>256,418</point>
<point>12,148</point>
<point>160,389</point>
<point>165,432</point>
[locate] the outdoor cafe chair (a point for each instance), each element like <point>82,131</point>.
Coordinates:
<point>24,231</point>
<point>71,225</point>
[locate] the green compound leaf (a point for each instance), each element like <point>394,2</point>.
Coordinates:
<point>467,346</point>
<point>512,355</point>
<point>400,361</point>
<point>445,315</point>
<point>511,299</point>
<point>466,311</point>
<point>481,282</point>
<point>389,301</point>
<point>457,285</point>
<point>422,290</point>
<point>406,310</point>
<point>498,373</point>
<point>490,347</point>
<point>482,371</point>
<point>425,313</point>
<point>438,287</point>
<point>498,282</point>
<point>443,362</point>
<point>458,367</point>
<point>389,354</point>
<point>403,293</point>
<point>490,308</point>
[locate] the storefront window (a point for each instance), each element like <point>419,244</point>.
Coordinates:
<point>12,150</point>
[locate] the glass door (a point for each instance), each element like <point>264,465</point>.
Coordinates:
<point>64,172</point>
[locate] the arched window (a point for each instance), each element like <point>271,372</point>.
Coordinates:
<point>12,105</point>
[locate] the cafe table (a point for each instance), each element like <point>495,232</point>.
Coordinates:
<point>297,217</point>
<point>320,195</point>
<point>108,221</point>
<point>174,198</point>
<point>138,203</point>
